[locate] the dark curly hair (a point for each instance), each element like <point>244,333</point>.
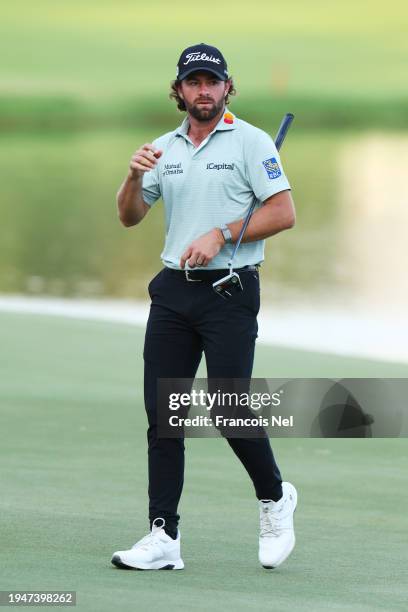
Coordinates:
<point>174,95</point>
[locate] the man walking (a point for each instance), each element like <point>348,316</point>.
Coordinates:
<point>208,172</point>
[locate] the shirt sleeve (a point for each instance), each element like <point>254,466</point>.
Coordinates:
<point>151,186</point>
<point>264,168</point>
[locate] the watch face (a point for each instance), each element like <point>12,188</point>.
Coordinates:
<point>227,234</point>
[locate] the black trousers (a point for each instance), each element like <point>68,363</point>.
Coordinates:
<point>185,320</point>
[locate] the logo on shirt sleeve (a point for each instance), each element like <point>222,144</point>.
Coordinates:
<point>272,168</point>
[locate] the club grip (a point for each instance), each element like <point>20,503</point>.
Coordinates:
<point>283,129</point>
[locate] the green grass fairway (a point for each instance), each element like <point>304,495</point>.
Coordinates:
<point>71,65</point>
<point>73,487</point>
<point>119,48</point>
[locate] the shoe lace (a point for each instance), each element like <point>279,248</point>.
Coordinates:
<point>271,521</point>
<point>151,538</point>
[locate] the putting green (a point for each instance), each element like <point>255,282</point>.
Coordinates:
<point>73,482</point>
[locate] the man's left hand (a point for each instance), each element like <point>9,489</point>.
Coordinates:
<point>203,249</point>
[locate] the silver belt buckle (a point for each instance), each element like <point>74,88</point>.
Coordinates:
<point>191,280</point>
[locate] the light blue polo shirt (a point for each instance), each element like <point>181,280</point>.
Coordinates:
<point>213,184</point>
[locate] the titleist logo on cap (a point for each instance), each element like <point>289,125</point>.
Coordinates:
<point>197,57</point>
<point>202,57</point>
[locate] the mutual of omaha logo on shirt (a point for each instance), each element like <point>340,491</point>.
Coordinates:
<point>173,169</point>
<point>272,168</point>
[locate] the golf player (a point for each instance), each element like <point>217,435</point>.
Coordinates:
<point>208,172</point>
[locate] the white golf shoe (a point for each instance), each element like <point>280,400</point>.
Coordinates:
<point>156,551</point>
<point>277,536</point>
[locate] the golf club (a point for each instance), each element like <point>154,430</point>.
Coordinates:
<point>226,285</point>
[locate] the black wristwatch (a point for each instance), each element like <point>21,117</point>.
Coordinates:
<point>226,233</point>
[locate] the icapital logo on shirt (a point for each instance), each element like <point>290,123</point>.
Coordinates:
<point>173,169</point>
<point>272,168</point>
<point>197,56</point>
<point>220,166</point>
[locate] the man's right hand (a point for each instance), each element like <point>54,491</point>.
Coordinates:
<point>143,160</point>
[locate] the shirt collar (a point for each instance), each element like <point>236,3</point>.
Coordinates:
<point>227,122</point>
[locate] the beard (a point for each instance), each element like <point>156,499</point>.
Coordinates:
<point>205,114</point>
